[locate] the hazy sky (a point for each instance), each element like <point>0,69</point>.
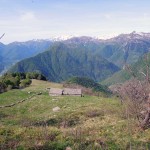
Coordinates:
<point>40,19</point>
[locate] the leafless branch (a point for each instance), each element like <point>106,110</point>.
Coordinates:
<point>2,36</point>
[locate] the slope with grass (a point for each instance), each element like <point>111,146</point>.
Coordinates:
<point>119,77</point>
<point>81,123</point>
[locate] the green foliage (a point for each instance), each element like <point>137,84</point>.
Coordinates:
<point>25,82</point>
<point>10,79</point>
<point>35,75</point>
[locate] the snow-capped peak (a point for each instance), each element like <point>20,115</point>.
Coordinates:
<point>133,36</point>
<point>61,38</point>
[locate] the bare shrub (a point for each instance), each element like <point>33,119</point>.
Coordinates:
<point>135,95</point>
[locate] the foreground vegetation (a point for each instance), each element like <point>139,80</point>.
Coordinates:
<point>81,123</point>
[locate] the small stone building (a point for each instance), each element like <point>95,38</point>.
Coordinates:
<point>73,92</point>
<point>55,92</point>
<point>65,91</point>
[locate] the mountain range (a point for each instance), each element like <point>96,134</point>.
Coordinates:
<point>80,56</point>
<point>16,51</point>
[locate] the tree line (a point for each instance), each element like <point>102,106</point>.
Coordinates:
<point>18,80</point>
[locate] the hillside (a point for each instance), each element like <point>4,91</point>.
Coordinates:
<point>124,48</point>
<point>63,61</point>
<point>81,122</point>
<point>137,68</point>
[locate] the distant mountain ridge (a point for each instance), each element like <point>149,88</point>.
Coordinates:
<point>122,49</point>
<point>16,51</point>
<point>128,48</point>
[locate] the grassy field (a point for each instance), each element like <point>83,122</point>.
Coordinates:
<point>82,123</point>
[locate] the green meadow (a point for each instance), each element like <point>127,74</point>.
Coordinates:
<point>81,123</point>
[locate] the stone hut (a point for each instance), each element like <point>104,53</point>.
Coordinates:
<point>55,92</point>
<point>65,91</point>
<point>72,92</point>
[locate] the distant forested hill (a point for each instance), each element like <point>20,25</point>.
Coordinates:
<point>63,61</point>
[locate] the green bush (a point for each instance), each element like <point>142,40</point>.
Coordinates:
<point>25,83</point>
